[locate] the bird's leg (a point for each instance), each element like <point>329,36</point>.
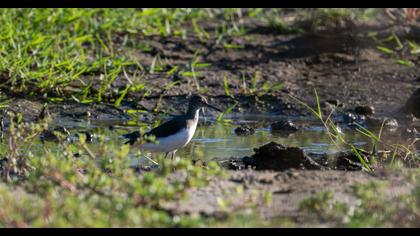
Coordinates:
<point>163,160</point>
<point>173,157</point>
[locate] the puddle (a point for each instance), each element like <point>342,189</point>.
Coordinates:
<point>219,139</point>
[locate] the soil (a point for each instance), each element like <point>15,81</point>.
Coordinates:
<point>345,68</point>
<point>244,130</point>
<point>341,66</point>
<point>288,189</point>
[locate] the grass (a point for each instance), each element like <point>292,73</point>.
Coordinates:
<point>79,184</point>
<point>372,206</point>
<point>403,52</point>
<point>60,54</point>
<point>366,158</point>
<point>89,56</point>
<point>63,53</point>
<point>300,21</point>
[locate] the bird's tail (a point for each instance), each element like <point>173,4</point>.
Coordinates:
<point>132,137</point>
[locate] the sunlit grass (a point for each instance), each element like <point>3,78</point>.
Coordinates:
<point>76,55</point>
<point>78,185</point>
<point>366,158</point>
<point>373,206</point>
<point>64,53</point>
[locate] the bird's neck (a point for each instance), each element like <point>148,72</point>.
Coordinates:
<point>193,113</point>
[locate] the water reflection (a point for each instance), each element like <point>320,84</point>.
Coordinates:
<point>219,140</point>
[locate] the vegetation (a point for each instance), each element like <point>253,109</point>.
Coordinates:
<point>72,185</point>
<point>90,56</point>
<point>77,54</point>
<point>373,206</point>
<point>367,158</point>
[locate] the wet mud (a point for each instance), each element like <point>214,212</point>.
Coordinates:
<point>351,76</point>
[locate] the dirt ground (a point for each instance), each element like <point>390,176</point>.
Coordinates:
<point>288,188</point>
<point>342,66</point>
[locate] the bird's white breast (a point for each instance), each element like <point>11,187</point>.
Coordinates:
<point>173,142</point>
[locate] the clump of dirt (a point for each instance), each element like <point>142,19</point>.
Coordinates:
<point>56,135</point>
<point>271,156</point>
<point>410,133</point>
<point>347,161</point>
<point>274,156</point>
<point>364,110</point>
<point>30,110</point>
<point>284,126</point>
<point>244,130</point>
<point>389,123</point>
<point>413,104</point>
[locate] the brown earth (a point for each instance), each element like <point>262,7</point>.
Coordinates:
<point>288,189</point>
<point>343,66</point>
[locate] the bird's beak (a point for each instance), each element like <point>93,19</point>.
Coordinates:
<point>215,108</point>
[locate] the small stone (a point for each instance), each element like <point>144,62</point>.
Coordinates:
<point>389,123</point>
<point>58,134</point>
<point>409,133</point>
<point>244,130</point>
<point>413,104</point>
<point>347,161</point>
<point>349,117</point>
<point>287,126</point>
<point>364,110</point>
<point>334,102</point>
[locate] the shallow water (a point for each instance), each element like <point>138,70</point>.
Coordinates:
<point>218,139</point>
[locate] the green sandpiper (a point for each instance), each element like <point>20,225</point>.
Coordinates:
<point>175,133</point>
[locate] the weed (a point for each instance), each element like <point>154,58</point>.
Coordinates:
<point>339,139</point>
<point>371,209</point>
<point>77,184</point>
<point>221,116</point>
<point>402,53</point>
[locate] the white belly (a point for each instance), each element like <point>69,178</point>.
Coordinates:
<point>172,142</point>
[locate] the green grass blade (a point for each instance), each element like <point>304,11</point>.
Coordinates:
<point>121,97</point>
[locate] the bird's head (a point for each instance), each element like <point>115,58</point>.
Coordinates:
<point>198,101</point>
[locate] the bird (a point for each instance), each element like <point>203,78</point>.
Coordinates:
<point>175,133</point>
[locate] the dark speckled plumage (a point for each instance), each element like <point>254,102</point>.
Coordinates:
<point>176,124</point>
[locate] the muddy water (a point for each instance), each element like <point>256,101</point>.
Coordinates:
<point>218,139</point>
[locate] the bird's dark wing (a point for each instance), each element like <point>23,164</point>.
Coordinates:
<point>132,137</point>
<point>168,128</point>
